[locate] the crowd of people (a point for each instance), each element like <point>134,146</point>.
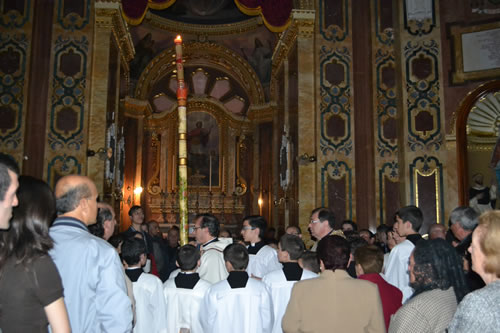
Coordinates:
<point>63,266</point>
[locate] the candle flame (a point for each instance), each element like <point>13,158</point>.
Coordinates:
<point>178,39</point>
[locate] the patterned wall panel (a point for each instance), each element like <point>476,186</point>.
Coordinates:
<point>15,48</point>
<point>68,114</point>
<point>426,183</point>
<point>422,89</point>
<point>421,105</point>
<point>336,189</point>
<point>336,150</point>
<point>384,104</point>
<point>388,178</point>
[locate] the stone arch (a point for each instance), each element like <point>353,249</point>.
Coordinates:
<point>203,54</point>
<point>461,135</point>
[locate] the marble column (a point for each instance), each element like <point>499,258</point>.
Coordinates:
<point>307,173</point>
<point>99,99</point>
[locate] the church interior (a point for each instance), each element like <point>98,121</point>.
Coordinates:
<point>360,106</point>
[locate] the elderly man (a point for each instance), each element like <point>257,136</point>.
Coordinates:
<point>206,230</point>
<point>322,224</point>
<point>437,230</point>
<point>105,223</point>
<point>91,272</point>
<point>9,172</point>
<point>463,221</point>
<point>334,302</point>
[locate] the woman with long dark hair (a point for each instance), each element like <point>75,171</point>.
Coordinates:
<point>438,280</point>
<point>31,292</point>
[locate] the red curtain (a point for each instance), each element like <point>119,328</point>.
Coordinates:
<point>276,13</point>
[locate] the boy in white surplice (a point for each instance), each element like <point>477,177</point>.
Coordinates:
<point>239,303</point>
<point>149,301</point>
<point>280,282</point>
<point>184,293</point>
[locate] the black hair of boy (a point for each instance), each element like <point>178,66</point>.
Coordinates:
<point>187,257</point>
<point>293,245</point>
<point>237,255</point>
<point>310,261</point>
<point>132,248</point>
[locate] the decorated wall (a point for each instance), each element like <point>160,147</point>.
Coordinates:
<point>360,118</point>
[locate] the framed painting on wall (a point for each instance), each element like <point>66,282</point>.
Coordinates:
<point>204,151</point>
<point>477,52</point>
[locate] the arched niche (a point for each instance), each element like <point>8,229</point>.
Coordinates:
<point>203,55</point>
<point>461,135</point>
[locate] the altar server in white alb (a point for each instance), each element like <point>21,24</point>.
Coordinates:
<point>239,304</point>
<point>280,282</point>
<point>148,290</point>
<point>263,258</point>
<point>184,293</point>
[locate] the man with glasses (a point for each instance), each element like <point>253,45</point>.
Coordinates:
<point>263,258</point>
<point>322,224</point>
<point>206,230</point>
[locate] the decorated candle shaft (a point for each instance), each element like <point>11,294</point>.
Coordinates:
<point>182,163</point>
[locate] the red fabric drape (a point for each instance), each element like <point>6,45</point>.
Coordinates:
<point>134,10</point>
<point>276,13</point>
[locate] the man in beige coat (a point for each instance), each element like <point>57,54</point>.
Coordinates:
<point>334,302</point>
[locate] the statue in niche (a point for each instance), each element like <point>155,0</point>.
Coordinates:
<point>261,61</point>
<point>203,149</point>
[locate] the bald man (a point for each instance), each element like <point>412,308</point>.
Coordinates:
<point>437,230</point>
<point>92,275</point>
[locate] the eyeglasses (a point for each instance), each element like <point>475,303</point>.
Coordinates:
<point>193,229</point>
<point>248,228</point>
<point>315,221</point>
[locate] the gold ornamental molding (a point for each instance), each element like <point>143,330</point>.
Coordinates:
<point>135,108</point>
<point>160,122</point>
<point>203,30</point>
<point>305,21</point>
<point>108,15</point>
<point>285,44</point>
<point>304,4</point>
<point>262,114</point>
<point>302,26</point>
<point>204,55</point>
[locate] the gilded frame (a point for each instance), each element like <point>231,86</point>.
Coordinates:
<point>459,76</point>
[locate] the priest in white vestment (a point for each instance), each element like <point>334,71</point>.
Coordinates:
<point>239,304</point>
<point>206,232</point>
<point>280,282</point>
<point>184,293</point>
<point>263,258</point>
<point>150,304</point>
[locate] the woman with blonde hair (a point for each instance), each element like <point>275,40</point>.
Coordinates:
<point>479,311</point>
